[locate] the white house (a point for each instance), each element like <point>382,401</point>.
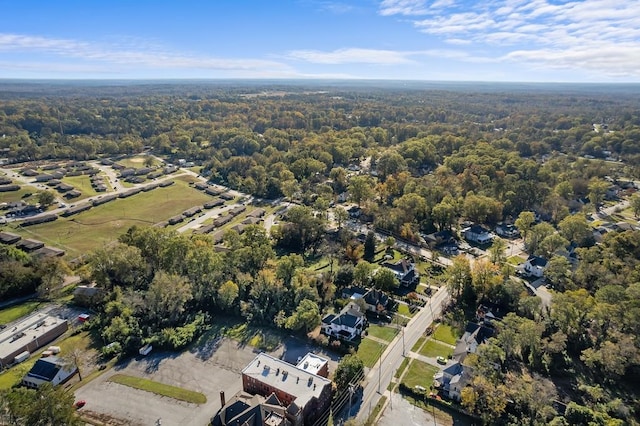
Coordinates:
<point>48,370</point>
<point>477,234</point>
<point>347,325</point>
<point>534,266</point>
<point>451,380</point>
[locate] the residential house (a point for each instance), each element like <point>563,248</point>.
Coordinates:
<point>305,394</point>
<point>474,335</point>
<point>444,241</point>
<point>84,295</point>
<point>533,267</point>
<point>452,379</point>
<point>49,370</point>
<point>405,271</point>
<point>251,410</point>
<point>507,231</point>
<point>376,301</point>
<point>347,325</point>
<point>477,234</point>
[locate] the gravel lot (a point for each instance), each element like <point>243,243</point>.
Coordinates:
<point>213,367</point>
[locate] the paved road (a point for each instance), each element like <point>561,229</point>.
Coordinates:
<point>381,374</point>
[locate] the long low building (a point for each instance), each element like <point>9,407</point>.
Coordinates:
<point>28,335</point>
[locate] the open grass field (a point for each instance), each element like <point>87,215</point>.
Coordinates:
<point>8,197</point>
<point>136,162</point>
<point>14,312</point>
<point>369,351</point>
<point>81,183</point>
<point>89,230</point>
<point>159,388</point>
<point>445,334</point>
<point>419,373</point>
<point>434,349</point>
<point>382,332</point>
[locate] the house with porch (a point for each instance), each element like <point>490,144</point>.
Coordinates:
<point>452,379</point>
<point>346,325</point>
<point>477,234</point>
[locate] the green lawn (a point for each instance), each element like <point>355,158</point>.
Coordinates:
<point>82,183</point>
<point>403,366</point>
<point>136,162</point>
<point>434,349</point>
<point>14,312</point>
<point>8,197</point>
<point>89,230</point>
<point>369,351</point>
<point>418,344</point>
<point>159,388</point>
<point>419,373</point>
<point>404,310</point>
<point>445,334</point>
<point>382,332</point>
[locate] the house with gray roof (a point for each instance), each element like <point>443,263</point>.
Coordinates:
<point>346,325</point>
<point>452,379</point>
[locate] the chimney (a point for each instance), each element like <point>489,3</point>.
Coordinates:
<point>277,371</point>
<point>222,400</point>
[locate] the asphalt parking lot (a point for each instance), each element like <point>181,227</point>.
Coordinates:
<point>213,367</point>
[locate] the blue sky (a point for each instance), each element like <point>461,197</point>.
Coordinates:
<point>472,40</point>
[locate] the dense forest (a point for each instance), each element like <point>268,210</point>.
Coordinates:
<point>415,160</point>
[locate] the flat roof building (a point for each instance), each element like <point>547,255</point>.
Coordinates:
<point>29,334</point>
<point>305,394</point>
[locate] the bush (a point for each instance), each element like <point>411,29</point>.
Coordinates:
<point>112,350</point>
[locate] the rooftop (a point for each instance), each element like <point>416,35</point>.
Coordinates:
<point>288,378</point>
<point>312,363</point>
<point>30,328</point>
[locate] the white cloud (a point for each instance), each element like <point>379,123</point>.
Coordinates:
<point>127,56</point>
<point>597,36</point>
<point>403,7</point>
<point>352,56</point>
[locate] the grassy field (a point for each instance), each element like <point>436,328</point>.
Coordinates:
<point>89,230</point>
<point>369,351</point>
<point>159,388</point>
<point>381,332</point>
<point>81,183</point>
<point>136,162</point>
<point>419,373</point>
<point>445,334</point>
<point>14,312</point>
<point>8,197</point>
<point>434,349</point>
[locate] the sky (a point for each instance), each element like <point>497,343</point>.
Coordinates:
<point>435,40</point>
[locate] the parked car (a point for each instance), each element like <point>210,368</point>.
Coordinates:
<point>80,403</point>
<point>441,360</point>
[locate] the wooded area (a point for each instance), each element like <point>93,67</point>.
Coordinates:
<point>415,161</point>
